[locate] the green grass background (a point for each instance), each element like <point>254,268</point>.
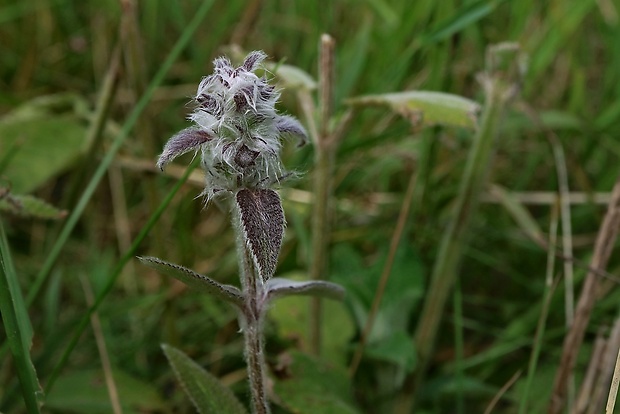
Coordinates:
<point>53,60</point>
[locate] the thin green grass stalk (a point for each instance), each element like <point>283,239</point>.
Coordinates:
<point>17,326</point>
<point>457,300</point>
<point>109,157</point>
<point>135,65</point>
<point>129,254</point>
<point>542,320</point>
<point>448,259</point>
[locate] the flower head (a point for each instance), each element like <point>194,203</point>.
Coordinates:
<point>237,129</point>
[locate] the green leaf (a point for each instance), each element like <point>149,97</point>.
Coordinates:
<point>310,386</point>
<point>30,206</point>
<point>278,287</point>
<point>195,280</point>
<point>402,295</point>
<point>397,349</point>
<point>43,144</point>
<point>291,316</point>
<point>292,77</point>
<point>86,392</point>
<point>207,393</point>
<point>427,108</point>
<point>262,225</point>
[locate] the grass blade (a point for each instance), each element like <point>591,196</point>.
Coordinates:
<point>109,157</point>
<point>498,91</point>
<point>17,326</point>
<point>129,254</point>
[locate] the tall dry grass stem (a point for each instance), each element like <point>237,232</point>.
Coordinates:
<point>324,155</point>
<point>608,233</point>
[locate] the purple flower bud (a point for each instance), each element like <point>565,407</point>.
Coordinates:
<point>238,129</point>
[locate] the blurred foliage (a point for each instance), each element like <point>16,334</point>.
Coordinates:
<point>62,48</point>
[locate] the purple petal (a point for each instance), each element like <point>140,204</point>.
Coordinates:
<point>289,126</point>
<point>253,59</point>
<point>185,141</point>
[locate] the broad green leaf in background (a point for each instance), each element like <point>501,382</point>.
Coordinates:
<point>291,316</point>
<point>397,349</point>
<point>85,392</point>
<point>402,294</point>
<point>427,108</point>
<point>207,393</point>
<point>308,385</point>
<point>45,137</point>
<point>292,77</point>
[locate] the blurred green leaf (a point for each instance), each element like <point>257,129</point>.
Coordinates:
<point>397,349</point>
<point>310,386</point>
<point>46,140</point>
<point>402,293</point>
<point>292,77</point>
<point>427,108</point>
<point>86,392</point>
<point>30,206</point>
<point>291,315</point>
<point>207,393</point>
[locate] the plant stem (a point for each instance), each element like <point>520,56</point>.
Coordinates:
<point>252,319</point>
<point>324,165</point>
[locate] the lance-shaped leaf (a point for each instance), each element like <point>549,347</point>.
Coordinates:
<point>427,108</point>
<point>184,141</point>
<point>29,206</point>
<point>206,391</point>
<point>195,280</point>
<point>262,225</point>
<point>278,287</point>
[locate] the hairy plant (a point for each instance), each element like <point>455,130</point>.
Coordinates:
<point>238,133</point>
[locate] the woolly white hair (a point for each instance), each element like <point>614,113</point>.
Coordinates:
<point>237,129</point>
